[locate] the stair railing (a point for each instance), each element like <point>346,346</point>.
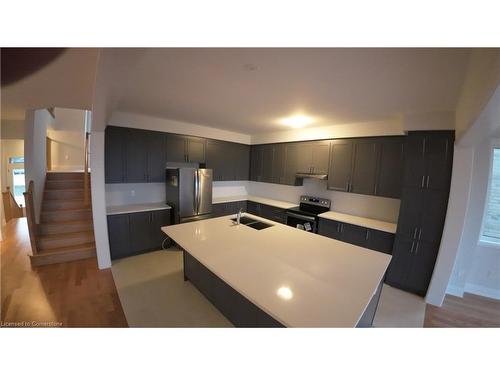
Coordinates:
<point>30,217</point>
<point>11,208</point>
<point>86,182</point>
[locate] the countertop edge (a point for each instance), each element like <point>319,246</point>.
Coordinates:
<point>380,225</point>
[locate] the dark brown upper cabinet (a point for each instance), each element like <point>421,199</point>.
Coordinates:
<point>390,167</point>
<point>339,172</point>
<point>115,139</point>
<point>364,166</point>
<point>229,161</point>
<point>134,155</point>
<point>185,149</point>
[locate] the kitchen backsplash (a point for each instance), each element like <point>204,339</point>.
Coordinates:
<point>386,209</point>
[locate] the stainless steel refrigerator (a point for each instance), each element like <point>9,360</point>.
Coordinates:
<point>189,193</point>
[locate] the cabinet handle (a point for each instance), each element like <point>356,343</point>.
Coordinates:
<point>347,186</point>
<point>367,235</point>
<point>419,232</point>
<point>338,227</point>
<point>412,244</point>
<point>423,181</point>
<point>415,233</point>
<point>427,183</point>
<point>416,248</point>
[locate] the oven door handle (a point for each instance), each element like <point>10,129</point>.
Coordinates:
<point>303,217</point>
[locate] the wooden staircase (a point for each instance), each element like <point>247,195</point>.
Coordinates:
<point>65,232</point>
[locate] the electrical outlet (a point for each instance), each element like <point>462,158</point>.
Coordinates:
<point>132,193</point>
<point>66,157</point>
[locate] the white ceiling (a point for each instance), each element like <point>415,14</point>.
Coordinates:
<point>213,88</point>
<point>68,82</point>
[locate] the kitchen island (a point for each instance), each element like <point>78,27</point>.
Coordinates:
<point>280,276</point>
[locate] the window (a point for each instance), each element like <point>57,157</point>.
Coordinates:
<point>16,159</point>
<point>491,222</point>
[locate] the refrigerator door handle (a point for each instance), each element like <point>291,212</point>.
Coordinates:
<point>198,192</point>
<point>195,201</point>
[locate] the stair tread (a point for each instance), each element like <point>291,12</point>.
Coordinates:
<point>66,235</point>
<point>67,249</point>
<point>89,221</point>
<point>67,209</point>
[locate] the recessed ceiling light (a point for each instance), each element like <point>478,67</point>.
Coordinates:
<point>297,121</point>
<point>250,67</point>
<point>285,292</point>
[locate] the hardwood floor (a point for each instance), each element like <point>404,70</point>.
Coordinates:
<point>75,294</point>
<point>469,311</point>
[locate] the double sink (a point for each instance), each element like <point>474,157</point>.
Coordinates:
<point>252,223</point>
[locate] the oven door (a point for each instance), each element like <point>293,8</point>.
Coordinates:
<point>304,222</point>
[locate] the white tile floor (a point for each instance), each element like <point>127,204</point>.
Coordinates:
<point>153,294</point>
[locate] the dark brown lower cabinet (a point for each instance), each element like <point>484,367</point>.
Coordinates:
<point>228,208</point>
<point>267,212</point>
<point>412,265</point>
<point>236,308</point>
<point>365,237</point>
<point>136,233</point>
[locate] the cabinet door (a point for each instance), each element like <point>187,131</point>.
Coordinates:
<point>399,267</point>
<point>364,169</point>
<point>390,167</point>
<point>267,163</point>
<point>273,213</point>
<point>256,160</point>
<point>438,159</point>
<point>320,157</point>
<point>140,232</point>
<point>114,154</point>
<point>217,159</point>
<point>330,228</point>
<point>176,149</point>
<point>253,208</point>
<point>412,201</point>
<point>380,241</point>
<point>196,150</point>
<point>304,157</point>
<point>354,234</point>
<point>433,215</point>
<point>242,162</point>
<point>119,236</point>
<point>339,172</point>
<point>414,171</point>
<point>422,265</point>
<point>291,164</point>
<point>137,156</point>
<point>218,210</point>
<point>159,219</point>
<point>278,172</point>
<point>157,156</point>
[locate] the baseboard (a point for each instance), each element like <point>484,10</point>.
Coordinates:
<point>455,291</point>
<point>482,291</point>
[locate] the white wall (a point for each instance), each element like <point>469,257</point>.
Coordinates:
<point>476,266</point>
<point>458,247</point>
<point>67,139</point>
<point>171,126</point>
<point>442,120</point>
<point>35,163</point>
<point>385,209</point>
<point>481,80</point>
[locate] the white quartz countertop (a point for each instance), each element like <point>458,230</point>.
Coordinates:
<point>141,207</point>
<point>253,198</point>
<point>361,221</point>
<point>328,283</point>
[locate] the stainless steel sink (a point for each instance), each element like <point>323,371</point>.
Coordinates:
<point>252,223</point>
<point>259,225</point>
<point>245,220</point>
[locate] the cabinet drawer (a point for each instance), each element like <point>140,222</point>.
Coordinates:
<point>330,228</point>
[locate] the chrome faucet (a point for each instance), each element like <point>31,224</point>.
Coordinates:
<point>238,216</point>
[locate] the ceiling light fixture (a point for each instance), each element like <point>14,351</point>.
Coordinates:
<point>285,292</point>
<point>297,121</point>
